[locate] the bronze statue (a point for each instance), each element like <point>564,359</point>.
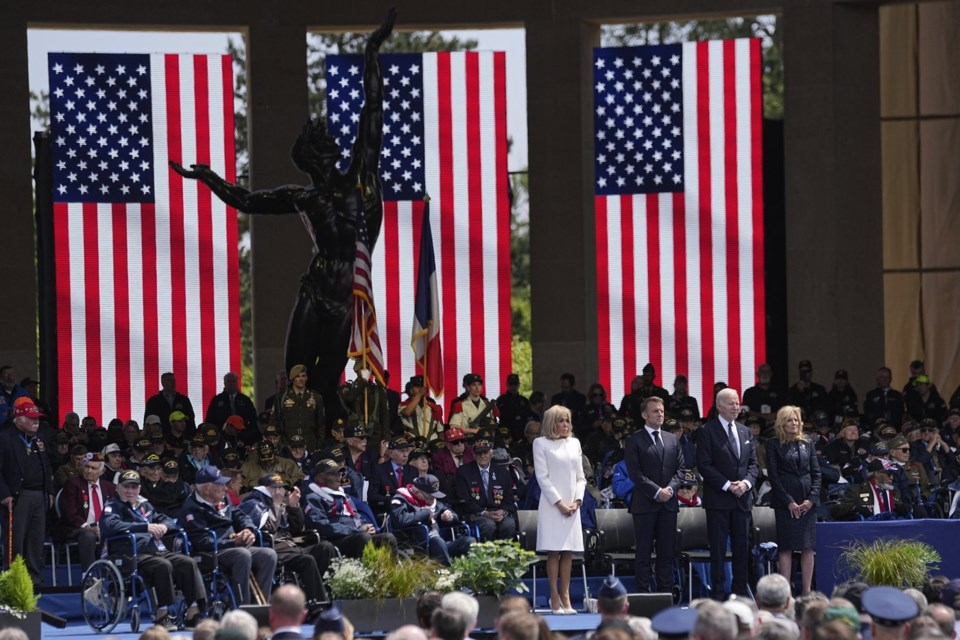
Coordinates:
<point>319,330</point>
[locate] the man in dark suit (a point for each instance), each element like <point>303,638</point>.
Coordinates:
<point>80,503</point>
<point>655,465</point>
<point>727,461</point>
<point>486,490</point>
<point>389,476</point>
<point>288,608</point>
<point>231,403</point>
<point>26,485</point>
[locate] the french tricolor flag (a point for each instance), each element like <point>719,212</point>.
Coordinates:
<point>426,319</point>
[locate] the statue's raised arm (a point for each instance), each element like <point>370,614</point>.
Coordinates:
<point>366,148</point>
<point>279,200</point>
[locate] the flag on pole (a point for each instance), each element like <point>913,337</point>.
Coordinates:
<point>445,133</point>
<point>679,214</point>
<point>426,317</point>
<point>146,264</point>
<point>364,339</point>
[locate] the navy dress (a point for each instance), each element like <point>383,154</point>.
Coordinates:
<point>794,473</point>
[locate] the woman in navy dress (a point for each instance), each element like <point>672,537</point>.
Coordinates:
<point>795,476</point>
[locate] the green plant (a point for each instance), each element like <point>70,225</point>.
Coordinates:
<point>16,589</point>
<point>493,568</point>
<point>891,561</point>
<point>380,574</point>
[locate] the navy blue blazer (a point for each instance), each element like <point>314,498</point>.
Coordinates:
<point>500,494</point>
<point>383,484</point>
<point>651,470</point>
<point>717,462</point>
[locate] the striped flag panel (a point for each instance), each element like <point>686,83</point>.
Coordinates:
<point>146,262</point>
<point>445,135</point>
<point>679,214</point>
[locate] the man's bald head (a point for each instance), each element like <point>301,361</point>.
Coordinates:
<point>288,607</point>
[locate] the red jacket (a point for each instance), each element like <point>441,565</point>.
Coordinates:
<point>76,503</point>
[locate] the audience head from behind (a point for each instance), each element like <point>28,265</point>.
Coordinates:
<point>330,625</point>
<point>288,607</point>
<point>13,633</point>
<point>773,593</point>
<point>519,625</point>
<point>156,633</point>
<point>922,627</point>
<point>835,630</point>
<point>467,605</point>
<point>237,624</point>
<point>206,629</point>
<point>745,613</point>
<point>408,632</point>
<point>890,610</point>
<point>612,599</point>
<point>511,604</point>
<point>448,624</point>
<point>945,617</point>
<point>713,622</point>
<point>614,629</point>
<point>427,603</point>
<point>679,624</point>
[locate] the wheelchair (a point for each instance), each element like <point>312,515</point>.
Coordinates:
<point>113,587</point>
<point>220,594</point>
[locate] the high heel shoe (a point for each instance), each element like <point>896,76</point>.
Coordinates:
<point>567,606</point>
<point>557,609</point>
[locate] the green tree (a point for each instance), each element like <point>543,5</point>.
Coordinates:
<point>763,27</point>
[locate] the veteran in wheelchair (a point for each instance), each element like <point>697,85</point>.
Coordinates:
<point>134,533</point>
<point>217,527</point>
<point>274,506</point>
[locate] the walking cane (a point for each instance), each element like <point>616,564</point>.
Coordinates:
<point>256,591</point>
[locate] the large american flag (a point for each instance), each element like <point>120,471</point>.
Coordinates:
<point>679,214</point>
<point>146,261</point>
<point>445,134</point>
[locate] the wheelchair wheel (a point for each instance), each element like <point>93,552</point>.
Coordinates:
<point>135,619</point>
<point>102,597</point>
<point>220,597</point>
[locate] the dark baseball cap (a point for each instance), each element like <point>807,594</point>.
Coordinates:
<point>129,477</point>
<point>400,442</point>
<point>327,466</point>
<point>429,484</point>
<point>470,378</point>
<point>171,467</point>
<point>266,451</point>
<point>296,440</point>
<point>481,446</point>
<point>273,480</point>
<point>210,474</point>
<point>152,460</point>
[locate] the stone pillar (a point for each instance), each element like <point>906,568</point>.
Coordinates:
<point>562,270</point>
<point>281,248</point>
<point>833,189</point>
<point>18,320</point>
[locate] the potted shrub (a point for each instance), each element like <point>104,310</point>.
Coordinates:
<point>378,591</point>
<point>489,570</point>
<point>18,604</point>
<point>890,561</point>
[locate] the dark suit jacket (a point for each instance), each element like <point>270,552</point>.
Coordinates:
<point>794,473</point>
<point>287,635</point>
<point>383,484</point>
<point>475,500</point>
<point>219,410</point>
<point>73,513</point>
<point>718,464</point>
<point>650,470</point>
<point>13,454</point>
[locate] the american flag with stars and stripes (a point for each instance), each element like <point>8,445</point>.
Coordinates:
<point>146,262</point>
<point>364,336</point>
<point>444,134</point>
<point>679,214</point>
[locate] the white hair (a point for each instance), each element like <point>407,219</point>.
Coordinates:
<point>241,621</point>
<point>466,605</point>
<point>728,392</point>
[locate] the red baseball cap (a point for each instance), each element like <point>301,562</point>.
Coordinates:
<point>453,434</point>
<point>26,409</point>
<point>236,422</point>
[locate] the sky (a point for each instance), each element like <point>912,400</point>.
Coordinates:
<point>40,42</point>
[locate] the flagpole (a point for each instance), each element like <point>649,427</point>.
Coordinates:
<point>366,410</point>
<point>424,428</point>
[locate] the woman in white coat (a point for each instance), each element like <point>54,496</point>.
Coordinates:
<point>559,468</point>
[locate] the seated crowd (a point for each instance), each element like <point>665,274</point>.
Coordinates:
<point>261,482</point>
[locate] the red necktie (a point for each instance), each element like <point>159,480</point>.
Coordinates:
<point>884,505</point>
<point>97,507</point>
<point>399,476</point>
